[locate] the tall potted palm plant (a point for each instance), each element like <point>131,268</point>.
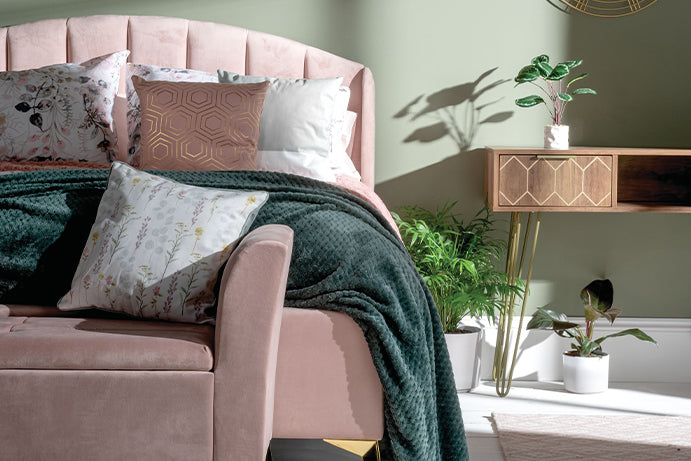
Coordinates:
<point>457,260</point>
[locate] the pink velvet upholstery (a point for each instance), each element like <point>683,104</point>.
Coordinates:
<point>319,372</point>
<point>247,338</point>
<point>69,415</point>
<point>104,344</point>
<point>181,43</point>
<point>106,389</point>
<point>325,369</point>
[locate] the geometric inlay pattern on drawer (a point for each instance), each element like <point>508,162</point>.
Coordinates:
<point>579,181</point>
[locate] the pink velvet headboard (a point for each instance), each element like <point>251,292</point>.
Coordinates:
<point>182,43</point>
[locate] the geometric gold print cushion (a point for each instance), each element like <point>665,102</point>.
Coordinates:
<point>199,126</point>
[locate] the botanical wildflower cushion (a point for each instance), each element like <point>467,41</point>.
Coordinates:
<point>157,246</point>
<point>60,112</point>
<point>199,126</point>
<point>149,72</point>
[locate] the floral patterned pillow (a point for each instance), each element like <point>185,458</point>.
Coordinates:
<point>157,246</point>
<point>60,112</point>
<point>149,73</point>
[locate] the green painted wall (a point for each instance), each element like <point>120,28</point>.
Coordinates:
<point>638,64</point>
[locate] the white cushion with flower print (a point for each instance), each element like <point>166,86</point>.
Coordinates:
<point>156,247</point>
<point>61,111</point>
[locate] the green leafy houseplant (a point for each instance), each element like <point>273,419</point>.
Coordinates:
<point>457,261</point>
<point>551,84</point>
<point>597,299</point>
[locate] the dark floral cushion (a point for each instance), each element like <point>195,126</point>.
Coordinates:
<point>60,112</point>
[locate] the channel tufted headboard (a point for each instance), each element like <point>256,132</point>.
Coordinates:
<point>182,43</point>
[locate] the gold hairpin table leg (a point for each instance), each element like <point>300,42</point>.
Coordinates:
<point>502,371</point>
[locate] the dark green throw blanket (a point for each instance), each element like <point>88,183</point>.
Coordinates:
<point>346,258</point>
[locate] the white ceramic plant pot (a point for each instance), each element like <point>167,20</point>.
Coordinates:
<point>586,375</point>
<point>464,351</point>
<point>557,137</point>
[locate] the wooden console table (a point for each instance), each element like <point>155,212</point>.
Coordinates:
<point>580,179</point>
<point>589,179</point>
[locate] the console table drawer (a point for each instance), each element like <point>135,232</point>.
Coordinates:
<point>553,180</point>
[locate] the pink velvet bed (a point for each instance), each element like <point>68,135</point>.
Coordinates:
<point>323,326</point>
<point>325,383</point>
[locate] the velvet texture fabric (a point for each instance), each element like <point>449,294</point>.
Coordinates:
<point>104,344</point>
<point>348,259</point>
<point>199,125</point>
<point>67,415</point>
<point>180,43</point>
<point>148,404</point>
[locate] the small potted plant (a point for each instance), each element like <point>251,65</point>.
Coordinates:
<point>556,94</point>
<point>457,262</point>
<point>586,366</point>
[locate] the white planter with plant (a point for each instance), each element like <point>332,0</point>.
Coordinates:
<point>586,375</point>
<point>457,262</point>
<point>557,94</point>
<point>586,365</point>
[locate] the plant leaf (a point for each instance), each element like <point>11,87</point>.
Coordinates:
<point>498,117</point>
<point>599,294</point>
<point>584,91</point>
<point>587,347</point>
<point>591,314</point>
<point>543,58</point>
<point>575,79</point>
<point>544,318</point>
<point>527,74</point>
<point>565,97</point>
<point>560,71</point>
<point>635,332</point>
<point>572,64</point>
<point>612,314</point>
<point>529,101</point>
<point>544,69</point>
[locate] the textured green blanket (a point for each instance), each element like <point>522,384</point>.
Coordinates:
<point>346,258</point>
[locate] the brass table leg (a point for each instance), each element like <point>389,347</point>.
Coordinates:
<point>502,372</point>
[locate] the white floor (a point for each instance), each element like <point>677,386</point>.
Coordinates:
<point>531,397</point>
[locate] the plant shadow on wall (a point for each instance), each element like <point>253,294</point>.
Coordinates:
<point>458,113</point>
<point>444,106</point>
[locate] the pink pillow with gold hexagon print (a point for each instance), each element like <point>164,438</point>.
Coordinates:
<point>199,125</point>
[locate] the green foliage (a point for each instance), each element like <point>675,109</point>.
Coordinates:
<point>457,261</point>
<point>597,300</point>
<point>551,85</point>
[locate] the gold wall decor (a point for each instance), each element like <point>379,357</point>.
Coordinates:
<point>608,8</point>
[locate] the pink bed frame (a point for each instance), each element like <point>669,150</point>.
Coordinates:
<point>326,384</point>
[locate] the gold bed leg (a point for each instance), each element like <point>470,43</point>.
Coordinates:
<point>366,449</point>
<point>502,371</point>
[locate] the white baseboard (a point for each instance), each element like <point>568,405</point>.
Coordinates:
<point>631,360</point>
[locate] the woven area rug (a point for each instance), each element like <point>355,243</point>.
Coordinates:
<point>593,437</point>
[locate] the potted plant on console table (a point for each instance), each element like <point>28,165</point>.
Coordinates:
<point>586,366</point>
<point>557,95</point>
<point>457,262</point>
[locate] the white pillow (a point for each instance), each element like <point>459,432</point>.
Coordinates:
<point>338,163</point>
<point>148,72</point>
<point>339,118</point>
<point>298,112</point>
<point>157,246</point>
